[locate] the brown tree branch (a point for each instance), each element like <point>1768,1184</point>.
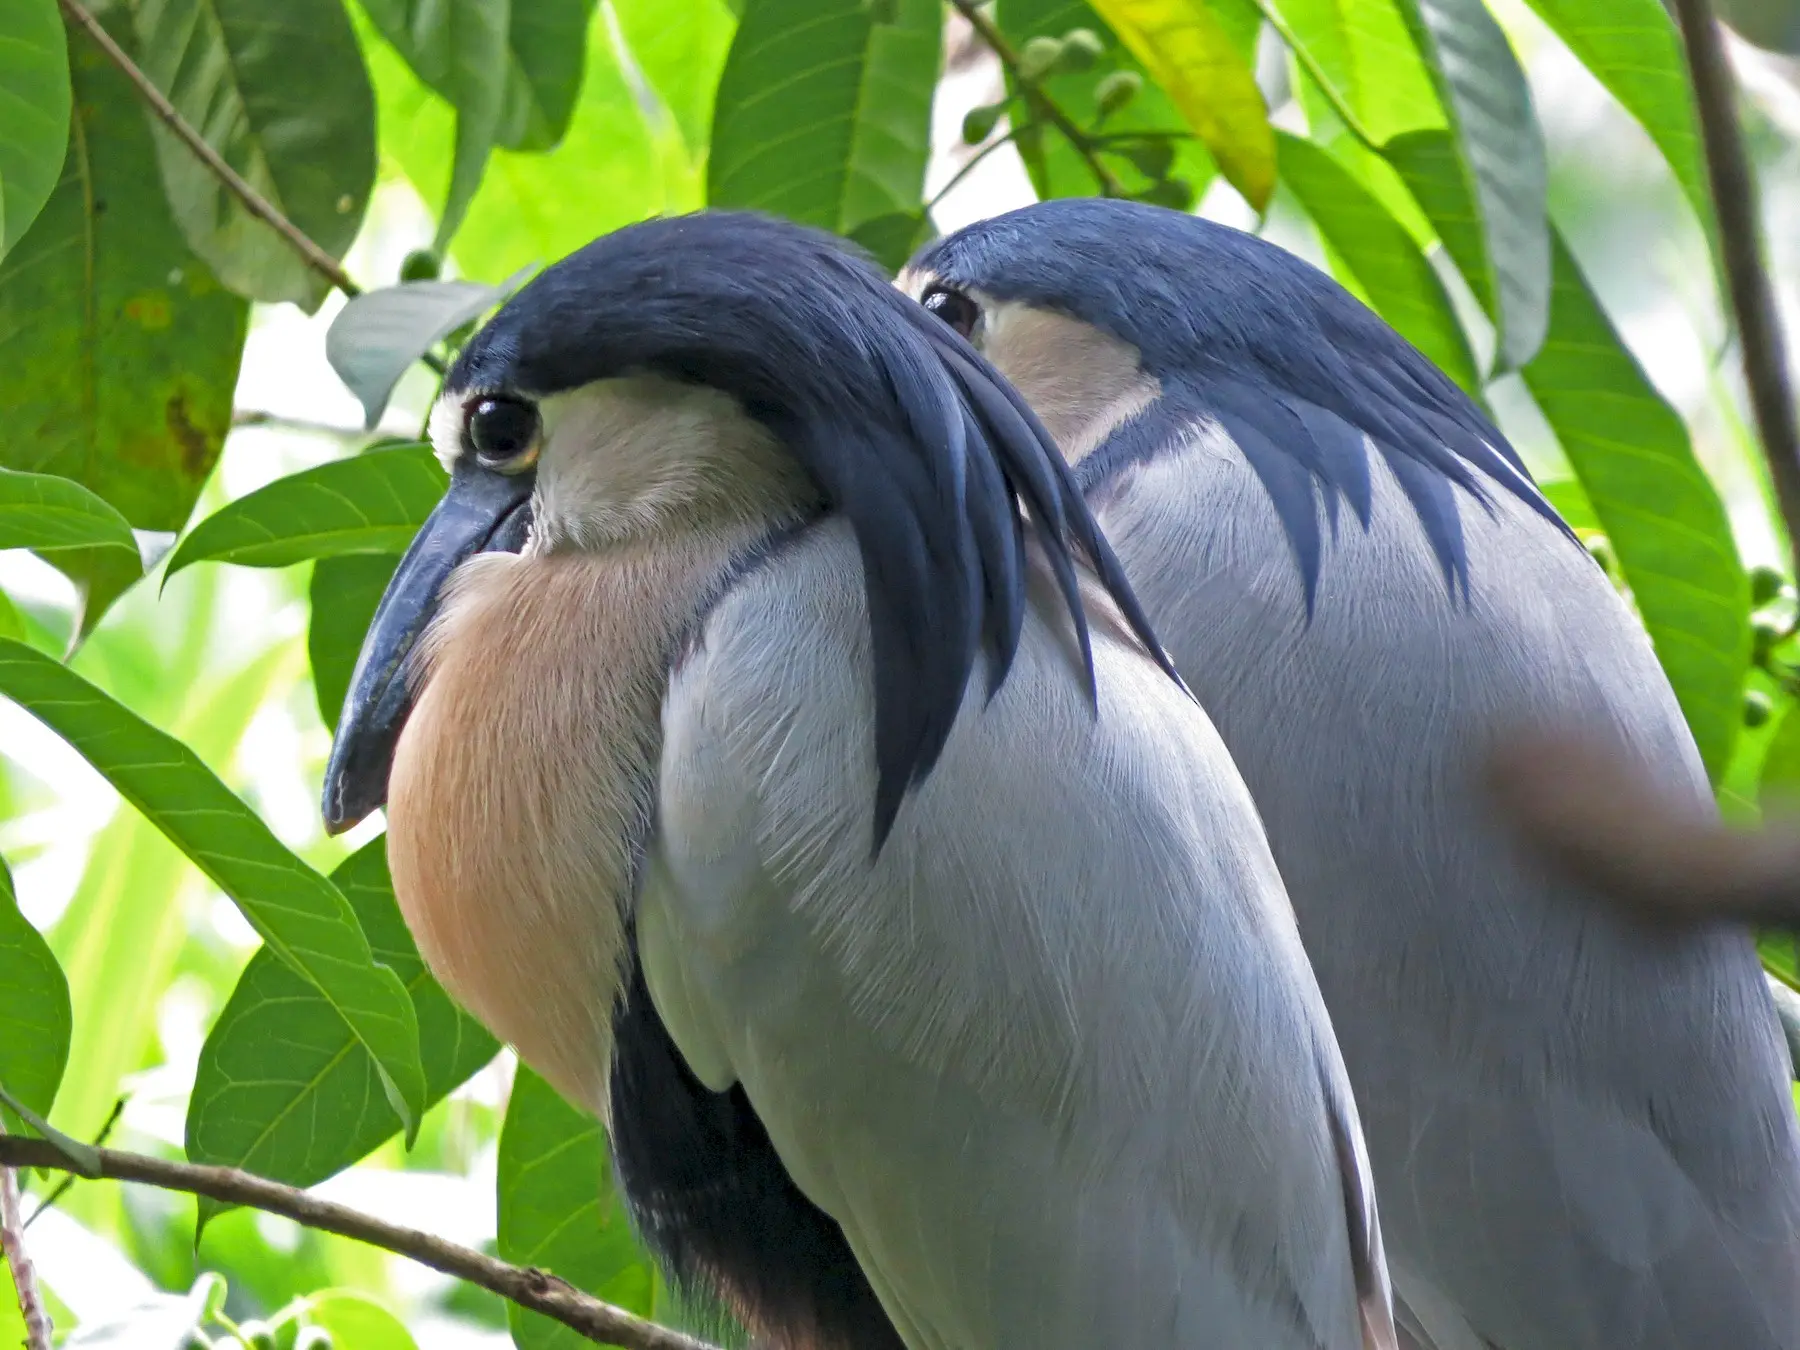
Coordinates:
<point>1740,241</point>
<point>1040,102</point>
<point>536,1290</point>
<point>254,202</point>
<point>13,1256</point>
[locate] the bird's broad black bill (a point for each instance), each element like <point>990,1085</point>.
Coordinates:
<point>482,512</point>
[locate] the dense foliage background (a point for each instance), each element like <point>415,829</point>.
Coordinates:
<point>190,967</point>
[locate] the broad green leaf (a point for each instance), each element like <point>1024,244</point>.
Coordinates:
<point>118,349</point>
<point>357,1322</point>
<point>121,939</point>
<point>1363,55</point>
<point>34,1008</point>
<point>824,110</point>
<point>280,92</point>
<point>893,239</point>
<point>369,503</point>
<point>34,112</point>
<point>41,510</point>
<point>1056,168</point>
<point>1780,784</point>
<point>1635,50</point>
<point>300,915</point>
<point>1667,525</point>
<point>377,336</point>
<point>1382,257</point>
<point>1484,185</point>
<point>546,41</point>
<point>343,594</point>
<point>1571,502</point>
<point>559,1211</point>
<point>534,209</point>
<point>681,61</point>
<point>1190,52</point>
<point>452,46</point>
<point>283,1087</point>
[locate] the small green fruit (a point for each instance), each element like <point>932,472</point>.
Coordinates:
<point>1765,585</point>
<point>421,265</point>
<point>1757,708</point>
<point>1039,56</point>
<point>1765,632</point>
<point>1116,90</point>
<point>978,123</point>
<point>1081,50</point>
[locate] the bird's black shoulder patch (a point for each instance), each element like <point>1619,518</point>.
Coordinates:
<point>941,469</point>
<point>1238,330</point>
<point>713,1203</point>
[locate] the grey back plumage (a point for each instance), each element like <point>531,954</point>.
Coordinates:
<point>1054,1060</point>
<point>1582,1131</point>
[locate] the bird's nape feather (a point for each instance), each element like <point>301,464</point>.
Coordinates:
<point>1240,332</point>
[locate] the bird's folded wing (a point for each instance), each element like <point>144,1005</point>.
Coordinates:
<point>1053,1059</point>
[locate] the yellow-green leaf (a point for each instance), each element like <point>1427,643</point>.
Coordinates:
<point>1190,53</point>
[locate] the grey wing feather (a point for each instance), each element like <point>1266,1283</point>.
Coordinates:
<point>1582,1132</point>
<point>1054,1060</point>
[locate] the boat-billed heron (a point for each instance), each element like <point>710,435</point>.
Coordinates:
<point>810,799</point>
<point>1581,1128</point>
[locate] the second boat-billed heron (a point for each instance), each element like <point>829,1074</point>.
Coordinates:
<point>1581,1127</point>
<point>810,799</point>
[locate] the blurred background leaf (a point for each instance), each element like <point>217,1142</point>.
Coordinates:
<point>34,112</point>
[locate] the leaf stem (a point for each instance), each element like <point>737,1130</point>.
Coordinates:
<point>537,1290</point>
<point>1740,241</point>
<point>1040,102</point>
<point>24,1278</point>
<point>254,202</point>
<point>969,168</point>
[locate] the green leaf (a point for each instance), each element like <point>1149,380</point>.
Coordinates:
<point>1484,185</point>
<point>545,45</point>
<point>369,503</point>
<point>1634,49</point>
<point>824,112</point>
<point>1667,525</point>
<point>357,1322</point>
<point>121,939</point>
<point>681,61</point>
<point>893,239</point>
<point>301,916</point>
<point>1056,169</point>
<point>1189,51</point>
<point>451,45</point>
<point>1362,54</point>
<point>280,92</point>
<point>34,1008</point>
<point>343,595</point>
<point>379,334</point>
<point>118,349</point>
<point>559,1211</point>
<point>1382,257</point>
<point>533,208</point>
<point>284,1089</point>
<point>1780,783</point>
<point>41,510</point>
<point>34,112</point>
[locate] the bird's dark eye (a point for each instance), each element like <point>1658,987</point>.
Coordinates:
<point>504,433</point>
<point>954,308</point>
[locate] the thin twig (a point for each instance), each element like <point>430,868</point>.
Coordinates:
<point>254,202</point>
<point>536,1290</point>
<point>1740,241</point>
<point>24,1278</point>
<point>1041,103</point>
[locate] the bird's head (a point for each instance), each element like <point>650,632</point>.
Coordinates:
<point>1098,309</point>
<point>720,370</point>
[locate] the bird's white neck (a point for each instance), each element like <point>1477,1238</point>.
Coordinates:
<point>522,789</point>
